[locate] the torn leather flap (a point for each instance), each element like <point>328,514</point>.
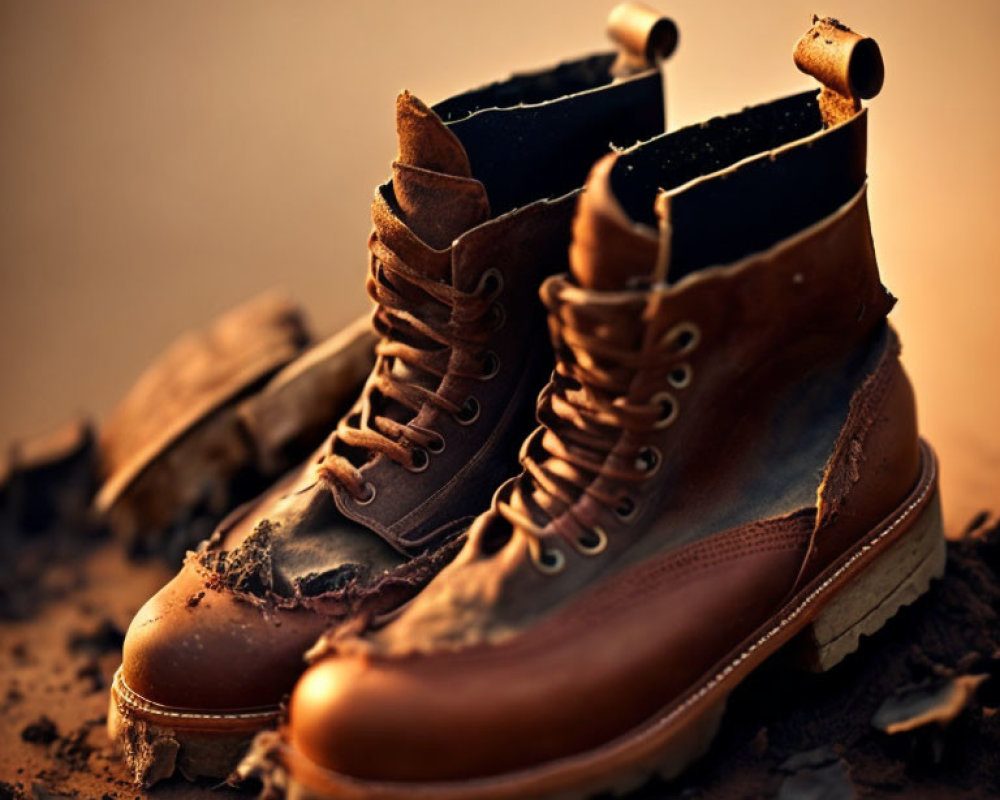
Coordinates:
<point>849,66</point>
<point>644,36</point>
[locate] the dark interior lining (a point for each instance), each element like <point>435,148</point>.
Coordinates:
<point>755,206</point>
<point>527,150</point>
<point>539,86</point>
<point>684,155</point>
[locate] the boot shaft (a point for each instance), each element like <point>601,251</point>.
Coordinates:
<point>747,337</point>
<point>481,201</point>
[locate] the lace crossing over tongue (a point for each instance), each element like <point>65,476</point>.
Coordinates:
<point>433,199</point>
<point>598,336</point>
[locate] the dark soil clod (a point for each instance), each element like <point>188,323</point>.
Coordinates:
<point>41,731</point>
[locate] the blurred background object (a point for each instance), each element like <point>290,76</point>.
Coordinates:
<point>162,162</point>
<point>219,416</point>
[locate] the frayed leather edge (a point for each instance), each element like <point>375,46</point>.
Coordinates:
<point>843,470</point>
<point>249,579</point>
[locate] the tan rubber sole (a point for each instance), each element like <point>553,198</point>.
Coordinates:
<point>824,623</point>
<point>155,740</point>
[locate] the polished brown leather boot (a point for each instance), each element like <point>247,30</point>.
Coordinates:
<point>476,215</point>
<point>728,460</point>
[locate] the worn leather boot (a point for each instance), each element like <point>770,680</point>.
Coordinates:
<point>728,460</point>
<point>477,214</point>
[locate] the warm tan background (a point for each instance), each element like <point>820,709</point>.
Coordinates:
<point>161,161</point>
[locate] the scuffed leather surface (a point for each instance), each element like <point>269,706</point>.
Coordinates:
<point>569,683</point>
<point>501,666</point>
<point>305,555</point>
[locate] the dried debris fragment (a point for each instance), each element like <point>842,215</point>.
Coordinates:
<point>931,703</point>
<point>42,731</point>
<point>104,637</point>
<point>261,764</point>
<point>151,753</point>
<point>246,569</point>
<point>818,774</point>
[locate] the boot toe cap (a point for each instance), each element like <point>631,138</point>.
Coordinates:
<point>198,648</point>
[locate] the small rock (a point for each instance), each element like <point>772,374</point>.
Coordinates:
<point>829,782</point>
<point>937,702</point>
<point>105,637</point>
<point>41,731</point>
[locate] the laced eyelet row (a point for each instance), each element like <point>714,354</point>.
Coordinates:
<point>678,342</point>
<point>471,315</point>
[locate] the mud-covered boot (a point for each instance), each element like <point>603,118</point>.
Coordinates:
<point>476,215</point>
<point>728,460</point>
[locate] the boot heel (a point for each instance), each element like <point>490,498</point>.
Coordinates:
<point>898,577</point>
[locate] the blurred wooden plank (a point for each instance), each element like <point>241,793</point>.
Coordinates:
<point>174,443</point>
<point>301,404</point>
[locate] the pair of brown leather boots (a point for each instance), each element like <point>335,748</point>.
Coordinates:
<point>726,456</point>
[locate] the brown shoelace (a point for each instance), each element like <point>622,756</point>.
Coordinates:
<point>444,336</point>
<point>584,412</point>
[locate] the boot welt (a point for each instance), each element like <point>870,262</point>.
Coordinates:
<point>156,740</point>
<point>822,623</point>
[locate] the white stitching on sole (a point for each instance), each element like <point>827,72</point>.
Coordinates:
<point>125,695</point>
<point>797,611</point>
<point>707,687</point>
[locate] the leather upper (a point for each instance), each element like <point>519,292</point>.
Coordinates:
<point>316,550</point>
<point>711,441</point>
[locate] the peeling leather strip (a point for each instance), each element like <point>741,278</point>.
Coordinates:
<point>929,477</point>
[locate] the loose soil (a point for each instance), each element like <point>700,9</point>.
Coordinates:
<point>67,598</point>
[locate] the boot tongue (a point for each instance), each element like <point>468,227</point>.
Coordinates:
<point>609,251</point>
<point>437,197</point>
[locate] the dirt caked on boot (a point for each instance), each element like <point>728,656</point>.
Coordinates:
<point>728,460</point>
<point>476,215</point>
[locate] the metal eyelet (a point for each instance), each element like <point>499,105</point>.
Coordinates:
<point>419,460</point>
<point>626,508</point>
<point>369,489</point>
<point>492,282</point>
<point>491,366</point>
<point>648,460</point>
<point>437,444</point>
<point>548,559</point>
<point>469,411</point>
<point>596,544</point>
<point>680,376</point>
<point>499,316</point>
<point>669,409</point>
<point>684,336</point>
